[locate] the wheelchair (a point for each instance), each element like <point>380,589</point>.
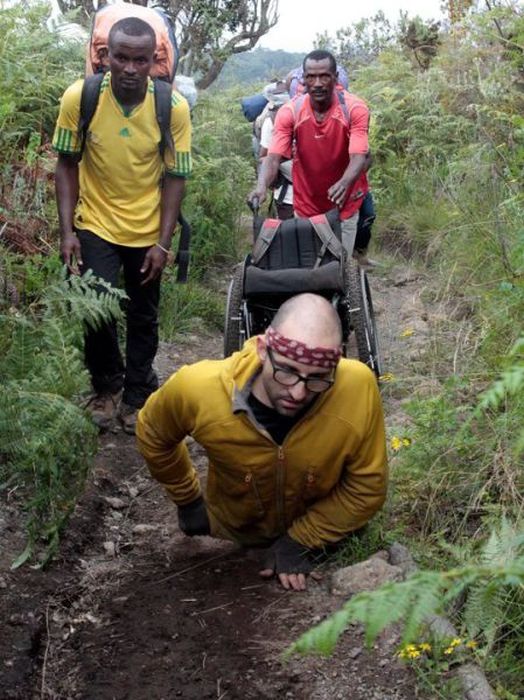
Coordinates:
<point>295,256</point>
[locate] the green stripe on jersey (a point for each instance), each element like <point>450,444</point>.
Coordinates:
<point>63,141</point>
<point>183,164</point>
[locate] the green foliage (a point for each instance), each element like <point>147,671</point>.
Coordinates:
<point>510,383</point>
<point>493,613</point>
<point>421,38</point>
<point>376,535</point>
<point>222,178</point>
<point>449,157</point>
<point>35,68</point>
<point>425,593</point>
<point>46,441</point>
<point>31,274</point>
<point>186,308</point>
<point>460,466</point>
<point>47,444</point>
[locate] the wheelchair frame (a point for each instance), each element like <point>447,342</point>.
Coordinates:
<point>244,318</point>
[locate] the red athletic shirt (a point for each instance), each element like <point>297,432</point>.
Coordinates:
<point>321,151</point>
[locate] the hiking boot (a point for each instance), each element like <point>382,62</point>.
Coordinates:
<point>361,256</point>
<point>127,417</point>
<point>102,408</point>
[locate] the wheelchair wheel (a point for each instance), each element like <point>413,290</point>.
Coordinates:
<point>234,332</point>
<point>361,316</point>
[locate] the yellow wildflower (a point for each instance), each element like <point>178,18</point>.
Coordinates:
<point>396,443</point>
<point>410,651</point>
<point>387,377</point>
<point>472,644</point>
<point>455,642</point>
<point>449,650</point>
<point>424,646</point>
<point>407,333</point>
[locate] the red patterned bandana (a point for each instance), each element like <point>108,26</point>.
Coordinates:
<point>300,352</point>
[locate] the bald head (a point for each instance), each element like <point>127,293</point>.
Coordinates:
<point>310,319</point>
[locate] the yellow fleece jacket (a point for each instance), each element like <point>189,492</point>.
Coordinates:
<point>327,479</point>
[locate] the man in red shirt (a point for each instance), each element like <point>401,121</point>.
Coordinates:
<point>325,131</point>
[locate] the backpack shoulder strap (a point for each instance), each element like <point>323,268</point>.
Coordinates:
<point>163,93</point>
<point>88,105</point>
<point>343,104</point>
<point>296,105</point>
<point>326,234</point>
<point>267,233</point>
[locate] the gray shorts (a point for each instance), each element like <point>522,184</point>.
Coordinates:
<point>349,232</point>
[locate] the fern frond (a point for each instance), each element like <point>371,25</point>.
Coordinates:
<point>511,381</point>
<point>46,447</point>
<point>412,602</point>
<point>87,299</point>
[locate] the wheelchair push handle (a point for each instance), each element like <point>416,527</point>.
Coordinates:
<point>254,205</point>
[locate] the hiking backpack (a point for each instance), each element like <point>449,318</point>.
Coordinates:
<point>166,51</point>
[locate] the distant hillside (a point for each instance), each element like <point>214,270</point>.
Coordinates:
<point>257,66</point>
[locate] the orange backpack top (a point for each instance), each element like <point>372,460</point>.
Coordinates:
<point>166,54</point>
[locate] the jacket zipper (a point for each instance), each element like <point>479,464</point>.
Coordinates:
<point>280,489</point>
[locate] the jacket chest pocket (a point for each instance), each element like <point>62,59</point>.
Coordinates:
<point>250,480</point>
<point>237,486</point>
<point>309,486</point>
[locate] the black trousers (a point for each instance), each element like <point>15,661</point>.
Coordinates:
<point>109,372</point>
<point>366,217</point>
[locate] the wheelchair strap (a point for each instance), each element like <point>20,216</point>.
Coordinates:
<point>327,236</point>
<point>264,239</point>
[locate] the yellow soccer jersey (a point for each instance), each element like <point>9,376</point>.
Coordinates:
<point>121,168</point>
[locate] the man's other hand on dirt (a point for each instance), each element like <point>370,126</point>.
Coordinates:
<point>192,518</point>
<point>290,561</point>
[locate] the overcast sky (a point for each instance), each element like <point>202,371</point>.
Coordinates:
<point>301,20</point>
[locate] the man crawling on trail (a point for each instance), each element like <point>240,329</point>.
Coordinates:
<point>294,434</point>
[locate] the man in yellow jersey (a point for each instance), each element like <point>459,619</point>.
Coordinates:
<point>294,434</point>
<point>118,208</point>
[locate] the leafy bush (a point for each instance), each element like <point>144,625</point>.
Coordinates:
<point>448,148</point>
<point>46,441</point>
<point>35,68</point>
<point>223,175</point>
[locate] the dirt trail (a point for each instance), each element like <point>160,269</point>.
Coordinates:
<point>132,609</point>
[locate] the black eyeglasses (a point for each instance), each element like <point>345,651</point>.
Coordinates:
<point>287,377</point>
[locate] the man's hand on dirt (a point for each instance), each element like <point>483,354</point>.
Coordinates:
<point>290,561</point>
<point>193,519</point>
<point>154,262</point>
<point>71,253</point>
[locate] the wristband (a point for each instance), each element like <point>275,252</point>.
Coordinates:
<point>165,250</point>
